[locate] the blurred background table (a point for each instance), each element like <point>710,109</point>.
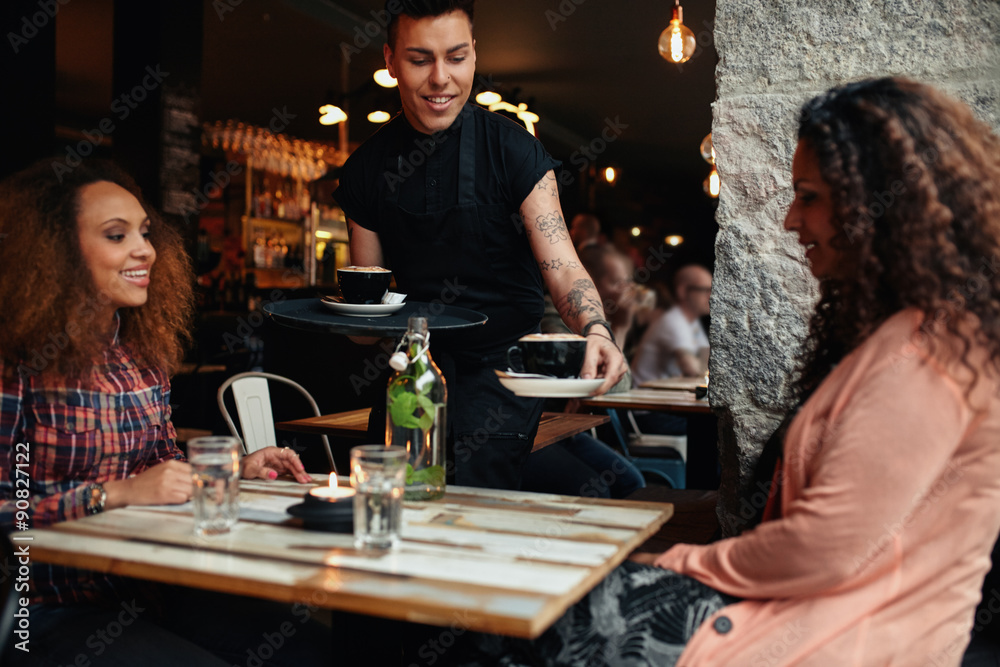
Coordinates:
<point>553,427</point>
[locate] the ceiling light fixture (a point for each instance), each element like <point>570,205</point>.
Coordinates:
<point>331,115</point>
<point>677,42</point>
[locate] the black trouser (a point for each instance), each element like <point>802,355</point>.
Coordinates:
<point>490,430</point>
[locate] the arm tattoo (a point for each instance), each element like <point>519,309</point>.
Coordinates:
<point>553,227</point>
<point>554,264</point>
<point>548,184</point>
<point>582,299</point>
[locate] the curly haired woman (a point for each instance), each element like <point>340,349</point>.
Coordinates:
<point>874,546</point>
<point>97,294</point>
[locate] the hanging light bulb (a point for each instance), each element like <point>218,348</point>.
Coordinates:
<point>636,231</point>
<point>488,97</point>
<point>707,149</point>
<point>711,184</point>
<point>674,240</point>
<point>610,175</point>
<point>677,42</point>
<point>384,79</point>
<point>331,115</point>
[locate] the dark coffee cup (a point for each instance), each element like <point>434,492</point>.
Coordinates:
<point>555,355</point>
<point>363,284</point>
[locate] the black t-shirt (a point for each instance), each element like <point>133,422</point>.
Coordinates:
<point>499,277</point>
<point>509,163</point>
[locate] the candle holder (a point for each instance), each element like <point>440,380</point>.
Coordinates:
<point>329,509</point>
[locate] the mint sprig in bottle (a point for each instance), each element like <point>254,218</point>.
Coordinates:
<point>416,399</point>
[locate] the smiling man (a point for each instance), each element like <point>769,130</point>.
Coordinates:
<point>463,206</point>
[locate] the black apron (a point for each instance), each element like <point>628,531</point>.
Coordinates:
<point>477,257</point>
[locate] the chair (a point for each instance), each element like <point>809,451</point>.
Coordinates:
<point>253,407</point>
<point>657,460</point>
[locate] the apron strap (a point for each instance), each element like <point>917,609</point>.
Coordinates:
<point>467,160</point>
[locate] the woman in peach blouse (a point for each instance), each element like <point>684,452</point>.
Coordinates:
<point>885,498</point>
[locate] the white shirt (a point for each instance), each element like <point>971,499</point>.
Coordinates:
<point>671,333</point>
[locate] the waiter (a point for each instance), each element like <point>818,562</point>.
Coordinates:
<point>462,204</point>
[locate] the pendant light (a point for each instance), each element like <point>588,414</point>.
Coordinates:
<point>677,42</point>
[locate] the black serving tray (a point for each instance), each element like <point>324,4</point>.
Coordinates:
<point>312,315</point>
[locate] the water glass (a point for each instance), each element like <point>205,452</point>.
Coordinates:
<point>215,472</point>
<point>378,474</point>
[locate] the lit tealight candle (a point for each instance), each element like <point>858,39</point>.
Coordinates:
<point>333,492</point>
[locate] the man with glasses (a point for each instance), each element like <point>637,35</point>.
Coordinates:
<point>676,345</point>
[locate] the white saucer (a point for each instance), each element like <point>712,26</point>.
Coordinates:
<point>545,387</point>
<point>362,309</point>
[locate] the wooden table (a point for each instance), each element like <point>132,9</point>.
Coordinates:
<point>679,383</point>
<point>502,561</point>
<point>702,457</point>
<point>662,400</point>
<point>553,427</point>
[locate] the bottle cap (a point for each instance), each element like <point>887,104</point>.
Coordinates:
<point>399,361</point>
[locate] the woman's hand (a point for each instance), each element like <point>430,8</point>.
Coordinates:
<point>270,462</point>
<point>644,557</point>
<point>167,483</point>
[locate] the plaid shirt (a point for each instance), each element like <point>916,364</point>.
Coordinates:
<point>114,425</point>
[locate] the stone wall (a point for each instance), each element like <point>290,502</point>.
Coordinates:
<point>773,56</point>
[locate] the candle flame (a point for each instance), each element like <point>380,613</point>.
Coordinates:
<point>333,480</point>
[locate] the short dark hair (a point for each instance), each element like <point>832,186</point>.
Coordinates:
<point>418,9</point>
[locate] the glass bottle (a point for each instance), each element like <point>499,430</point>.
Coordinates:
<point>415,412</point>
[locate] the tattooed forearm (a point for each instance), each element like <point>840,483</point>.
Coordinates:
<point>581,302</point>
<point>552,226</point>
<point>558,263</point>
<point>549,184</point>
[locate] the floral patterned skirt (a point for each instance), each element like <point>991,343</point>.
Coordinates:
<point>639,615</point>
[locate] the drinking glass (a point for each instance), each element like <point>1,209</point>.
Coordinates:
<point>378,474</point>
<point>215,472</point>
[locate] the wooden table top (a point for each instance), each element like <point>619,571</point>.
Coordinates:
<point>506,562</point>
<point>661,400</point>
<point>678,383</point>
<point>553,427</point>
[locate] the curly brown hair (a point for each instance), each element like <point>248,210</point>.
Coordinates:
<point>50,300</point>
<point>915,188</point>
